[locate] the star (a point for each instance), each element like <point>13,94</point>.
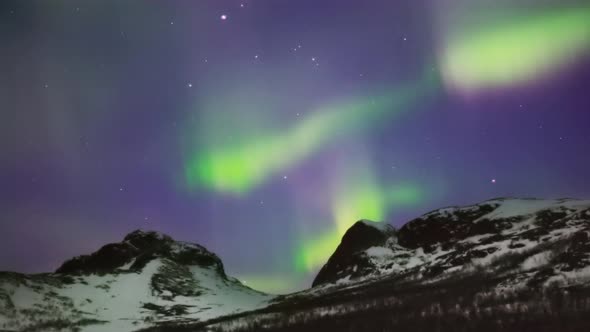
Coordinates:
<point>284,177</point>
<point>313,59</point>
<point>405,38</point>
<point>242,5</point>
<point>190,85</point>
<point>223,17</point>
<point>121,189</point>
<point>256,56</point>
<point>493,181</point>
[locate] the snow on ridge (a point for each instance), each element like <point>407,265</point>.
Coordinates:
<point>380,225</point>
<point>508,207</point>
<point>524,207</point>
<point>537,260</point>
<point>379,252</point>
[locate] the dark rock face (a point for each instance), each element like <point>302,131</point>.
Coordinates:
<point>107,258</point>
<point>439,228</point>
<point>359,237</point>
<point>140,247</point>
<point>147,240</point>
<point>577,256</point>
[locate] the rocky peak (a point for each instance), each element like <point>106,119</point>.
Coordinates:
<point>360,236</point>
<point>146,278</point>
<point>364,234</point>
<point>136,250</point>
<point>144,240</point>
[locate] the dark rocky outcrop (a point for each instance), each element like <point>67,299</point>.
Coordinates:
<point>139,248</point>
<point>362,235</point>
<point>435,228</point>
<point>107,258</point>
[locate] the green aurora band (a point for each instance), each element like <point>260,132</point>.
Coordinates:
<point>491,53</point>
<point>514,50</point>
<point>359,196</point>
<point>314,252</point>
<point>240,167</point>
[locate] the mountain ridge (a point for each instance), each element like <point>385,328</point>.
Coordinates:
<point>473,227</point>
<point>506,252</point>
<point>124,286</point>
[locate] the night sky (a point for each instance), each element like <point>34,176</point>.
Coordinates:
<point>263,129</point>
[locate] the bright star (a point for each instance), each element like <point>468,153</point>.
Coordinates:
<point>223,17</point>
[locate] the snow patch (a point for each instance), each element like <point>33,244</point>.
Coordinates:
<point>537,260</point>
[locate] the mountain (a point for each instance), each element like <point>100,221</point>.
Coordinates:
<point>146,278</point>
<point>500,265</point>
<point>550,233</point>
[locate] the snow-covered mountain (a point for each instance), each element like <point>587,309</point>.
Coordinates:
<point>125,286</point>
<point>551,237</point>
<point>500,265</point>
<point>503,264</point>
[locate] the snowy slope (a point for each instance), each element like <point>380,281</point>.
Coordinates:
<point>155,279</point>
<point>500,265</point>
<point>549,236</point>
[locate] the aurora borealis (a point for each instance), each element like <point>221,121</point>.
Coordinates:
<point>518,50</point>
<point>247,162</point>
<point>265,134</point>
